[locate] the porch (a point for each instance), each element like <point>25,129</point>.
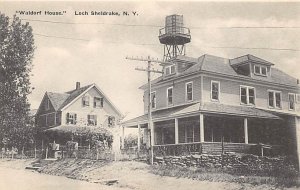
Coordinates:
<point>215,134</point>
<point>213,129</point>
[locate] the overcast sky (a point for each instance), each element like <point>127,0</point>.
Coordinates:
<point>100,57</point>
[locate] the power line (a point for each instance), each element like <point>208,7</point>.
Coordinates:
<point>245,27</point>
<point>87,40</point>
<point>61,37</point>
<point>149,44</point>
<point>92,23</point>
<point>159,26</point>
<point>255,48</point>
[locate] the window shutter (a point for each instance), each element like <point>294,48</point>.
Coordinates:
<point>101,102</point>
<point>67,118</point>
<point>75,118</point>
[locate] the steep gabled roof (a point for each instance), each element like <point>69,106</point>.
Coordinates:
<point>57,99</point>
<point>60,101</point>
<point>74,94</point>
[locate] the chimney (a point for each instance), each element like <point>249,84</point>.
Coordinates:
<point>77,85</point>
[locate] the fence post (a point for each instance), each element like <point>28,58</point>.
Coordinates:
<point>97,154</point>
<point>22,153</point>
<point>46,152</point>
<point>34,151</point>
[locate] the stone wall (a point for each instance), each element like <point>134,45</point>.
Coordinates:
<point>228,160</point>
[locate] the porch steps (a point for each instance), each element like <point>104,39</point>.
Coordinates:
<point>211,148</point>
<point>34,166</point>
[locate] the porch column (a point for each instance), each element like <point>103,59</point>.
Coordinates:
<point>176,131</point>
<point>139,138</point>
<point>122,138</point>
<point>297,125</point>
<point>201,127</point>
<point>246,130</point>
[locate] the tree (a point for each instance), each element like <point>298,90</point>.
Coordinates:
<point>16,53</point>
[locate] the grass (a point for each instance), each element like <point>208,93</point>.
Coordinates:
<point>282,178</point>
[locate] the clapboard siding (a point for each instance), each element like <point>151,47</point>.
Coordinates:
<point>178,93</point>
<point>230,93</point>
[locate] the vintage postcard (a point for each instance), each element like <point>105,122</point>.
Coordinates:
<point>149,95</point>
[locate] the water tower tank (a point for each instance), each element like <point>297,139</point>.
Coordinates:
<point>174,36</point>
<point>174,31</point>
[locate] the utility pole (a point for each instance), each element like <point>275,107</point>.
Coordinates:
<point>149,70</point>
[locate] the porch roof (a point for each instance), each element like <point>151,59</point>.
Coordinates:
<point>210,108</point>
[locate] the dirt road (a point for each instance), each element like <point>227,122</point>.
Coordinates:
<point>13,179</point>
<point>131,176</point>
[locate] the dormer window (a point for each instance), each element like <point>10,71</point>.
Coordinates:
<point>170,69</point>
<point>260,70</point>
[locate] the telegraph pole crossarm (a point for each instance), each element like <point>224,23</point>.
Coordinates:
<point>149,59</point>
<point>152,70</point>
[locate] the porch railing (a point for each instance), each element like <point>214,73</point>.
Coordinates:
<point>212,148</point>
<point>177,149</point>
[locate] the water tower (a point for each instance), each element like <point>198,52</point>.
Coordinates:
<point>174,36</point>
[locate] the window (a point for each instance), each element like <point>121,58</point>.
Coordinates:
<point>47,104</point>
<point>274,99</point>
<point>298,98</point>
<point>98,102</point>
<point>215,90</point>
<point>153,100</point>
<point>57,119</point>
<point>170,69</point>
<point>92,120</point>
<point>256,69</point>
<point>111,121</point>
<point>260,70</point>
<point>170,95</point>
<point>86,101</point>
<point>71,118</point>
<point>263,70</point>
<point>189,91</point>
<point>291,101</point>
<point>247,95</point>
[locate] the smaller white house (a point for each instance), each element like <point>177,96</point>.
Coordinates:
<point>85,106</point>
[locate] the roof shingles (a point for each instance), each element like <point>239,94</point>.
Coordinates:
<point>214,64</point>
<point>60,100</point>
<point>215,108</point>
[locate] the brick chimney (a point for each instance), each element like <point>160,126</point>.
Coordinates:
<point>77,85</point>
